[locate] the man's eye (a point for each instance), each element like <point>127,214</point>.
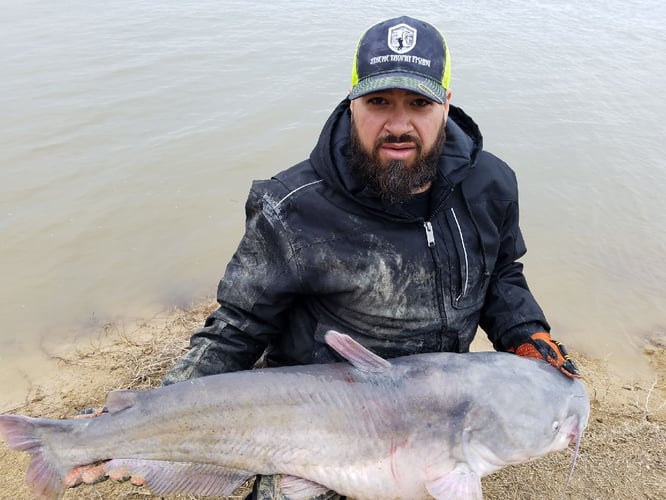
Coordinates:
<point>421,103</point>
<point>376,100</point>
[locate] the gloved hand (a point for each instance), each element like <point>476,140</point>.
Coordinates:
<point>541,346</point>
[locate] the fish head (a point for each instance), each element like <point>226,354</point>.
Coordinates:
<point>559,421</point>
<point>570,430</point>
<point>566,432</point>
<point>524,416</point>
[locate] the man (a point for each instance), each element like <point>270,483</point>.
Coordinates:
<point>399,230</point>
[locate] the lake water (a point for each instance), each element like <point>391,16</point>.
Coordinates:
<point>132,131</point>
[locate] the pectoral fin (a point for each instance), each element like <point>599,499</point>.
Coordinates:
<point>121,400</point>
<point>163,477</point>
<point>355,353</point>
<point>459,484</point>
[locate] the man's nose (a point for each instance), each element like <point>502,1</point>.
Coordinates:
<point>399,122</point>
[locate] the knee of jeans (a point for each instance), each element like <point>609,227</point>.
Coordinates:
<point>268,488</point>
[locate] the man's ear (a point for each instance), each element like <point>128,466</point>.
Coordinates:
<point>446,106</point>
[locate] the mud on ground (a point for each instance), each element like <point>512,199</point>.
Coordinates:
<point>622,456</point>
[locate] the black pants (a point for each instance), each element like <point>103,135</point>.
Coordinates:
<point>268,488</point>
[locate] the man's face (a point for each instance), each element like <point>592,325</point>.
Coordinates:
<point>396,140</point>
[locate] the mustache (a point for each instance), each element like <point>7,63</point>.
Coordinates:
<point>395,139</point>
<point>392,139</point>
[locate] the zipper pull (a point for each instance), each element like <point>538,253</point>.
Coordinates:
<point>430,234</point>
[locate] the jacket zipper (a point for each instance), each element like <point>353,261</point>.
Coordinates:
<point>430,238</point>
<point>430,234</point>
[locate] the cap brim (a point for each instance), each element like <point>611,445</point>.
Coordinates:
<point>421,85</point>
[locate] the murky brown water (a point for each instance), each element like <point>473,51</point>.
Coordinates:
<point>131,134</point>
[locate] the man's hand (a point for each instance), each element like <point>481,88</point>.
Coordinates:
<point>541,346</point>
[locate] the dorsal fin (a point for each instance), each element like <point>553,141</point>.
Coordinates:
<point>355,353</point>
<point>121,399</point>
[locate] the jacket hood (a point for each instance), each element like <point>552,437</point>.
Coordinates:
<point>461,149</point>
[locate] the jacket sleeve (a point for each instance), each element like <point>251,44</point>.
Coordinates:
<point>256,290</point>
<point>510,312</point>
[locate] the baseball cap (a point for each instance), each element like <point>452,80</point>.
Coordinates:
<point>402,53</point>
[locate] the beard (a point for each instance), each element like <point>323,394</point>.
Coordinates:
<point>395,181</point>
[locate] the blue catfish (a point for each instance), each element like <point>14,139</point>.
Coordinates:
<point>415,427</point>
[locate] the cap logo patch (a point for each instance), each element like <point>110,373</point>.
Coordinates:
<point>401,38</point>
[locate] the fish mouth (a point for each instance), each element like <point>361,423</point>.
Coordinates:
<point>569,433</point>
<point>573,435</point>
<point>574,432</point>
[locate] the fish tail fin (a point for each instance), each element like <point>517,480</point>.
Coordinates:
<point>21,433</point>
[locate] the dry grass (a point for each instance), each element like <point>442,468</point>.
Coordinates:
<point>623,454</point>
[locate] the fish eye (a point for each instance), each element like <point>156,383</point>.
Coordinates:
<point>556,426</point>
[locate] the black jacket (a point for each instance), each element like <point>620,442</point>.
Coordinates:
<point>321,251</point>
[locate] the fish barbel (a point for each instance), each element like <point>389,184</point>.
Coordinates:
<point>416,427</point>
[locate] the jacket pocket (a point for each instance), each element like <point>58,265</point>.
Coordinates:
<point>467,277</point>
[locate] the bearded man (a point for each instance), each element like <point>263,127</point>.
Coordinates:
<point>399,230</point>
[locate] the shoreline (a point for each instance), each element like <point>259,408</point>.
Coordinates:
<point>623,450</point>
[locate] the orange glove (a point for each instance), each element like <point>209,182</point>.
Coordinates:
<point>541,346</point>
